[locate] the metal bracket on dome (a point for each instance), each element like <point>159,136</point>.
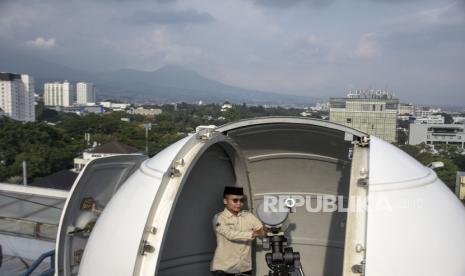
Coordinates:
<point>174,172</point>
<point>363,182</point>
<point>151,230</point>
<point>146,247</point>
<point>359,268</point>
<point>364,141</point>
<point>174,169</point>
<point>205,132</point>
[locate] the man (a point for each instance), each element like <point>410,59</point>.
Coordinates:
<point>235,231</point>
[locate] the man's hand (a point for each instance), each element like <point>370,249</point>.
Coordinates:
<point>259,233</point>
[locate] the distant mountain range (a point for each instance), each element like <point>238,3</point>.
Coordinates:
<point>167,84</point>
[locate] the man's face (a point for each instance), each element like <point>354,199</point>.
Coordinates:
<point>234,203</point>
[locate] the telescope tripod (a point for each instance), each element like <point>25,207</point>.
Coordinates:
<point>281,260</point>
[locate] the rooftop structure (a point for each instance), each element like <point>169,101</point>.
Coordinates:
<point>373,113</point>
<point>370,94</point>
<point>105,150</point>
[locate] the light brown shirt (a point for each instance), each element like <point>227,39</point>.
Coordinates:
<point>234,241</point>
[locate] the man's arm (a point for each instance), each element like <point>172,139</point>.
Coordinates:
<point>257,226</point>
<point>232,235</point>
<point>259,233</point>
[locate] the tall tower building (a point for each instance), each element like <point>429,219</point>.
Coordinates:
<point>85,93</point>
<point>373,112</point>
<point>58,94</point>
<point>17,96</point>
<point>27,103</point>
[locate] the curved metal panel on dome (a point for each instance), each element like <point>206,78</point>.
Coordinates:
<point>194,182</point>
<point>161,161</point>
<point>291,120</point>
<point>415,223</point>
<point>129,237</point>
<point>115,241</point>
<point>390,166</point>
<point>90,194</point>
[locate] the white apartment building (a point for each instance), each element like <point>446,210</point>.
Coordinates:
<point>58,94</point>
<point>150,112</point>
<point>431,119</point>
<point>17,96</point>
<point>426,111</point>
<point>436,134</point>
<point>406,109</point>
<point>114,106</point>
<point>226,106</point>
<point>85,93</point>
<point>458,119</point>
<point>373,112</point>
<point>321,106</point>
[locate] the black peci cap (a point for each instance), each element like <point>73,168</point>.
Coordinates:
<point>229,190</point>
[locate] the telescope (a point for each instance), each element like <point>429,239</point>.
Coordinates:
<point>282,260</point>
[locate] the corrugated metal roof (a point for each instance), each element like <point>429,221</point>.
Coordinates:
<point>25,213</point>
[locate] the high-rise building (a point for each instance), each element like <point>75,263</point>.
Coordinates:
<point>17,96</point>
<point>373,112</point>
<point>85,93</point>
<point>58,94</point>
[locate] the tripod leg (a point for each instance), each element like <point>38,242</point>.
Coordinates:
<point>301,271</point>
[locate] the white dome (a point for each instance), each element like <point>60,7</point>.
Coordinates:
<point>414,223</point>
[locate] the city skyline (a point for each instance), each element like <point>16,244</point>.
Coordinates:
<point>309,48</point>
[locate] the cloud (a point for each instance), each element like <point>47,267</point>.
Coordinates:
<point>286,45</point>
<point>308,49</point>
<point>290,3</point>
<point>432,30</point>
<point>42,43</point>
<point>368,47</point>
<point>169,17</point>
<point>155,50</point>
<point>396,1</point>
<point>449,15</point>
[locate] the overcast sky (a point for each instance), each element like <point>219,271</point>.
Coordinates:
<point>323,48</point>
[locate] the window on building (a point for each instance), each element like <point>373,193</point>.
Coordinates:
<point>349,120</point>
<point>374,108</point>
<point>338,104</point>
<point>365,107</point>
